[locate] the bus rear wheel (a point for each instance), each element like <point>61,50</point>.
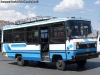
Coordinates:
<point>21,62</point>
<point>81,63</point>
<point>61,65</point>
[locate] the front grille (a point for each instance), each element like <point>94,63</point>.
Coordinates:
<point>86,46</point>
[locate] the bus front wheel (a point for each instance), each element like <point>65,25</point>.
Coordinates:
<point>21,62</point>
<point>61,65</point>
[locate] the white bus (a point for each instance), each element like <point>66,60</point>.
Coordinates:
<point>45,39</point>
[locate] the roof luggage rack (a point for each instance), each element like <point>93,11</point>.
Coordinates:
<point>34,19</point>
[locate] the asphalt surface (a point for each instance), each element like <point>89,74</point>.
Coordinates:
<point>9,67</point>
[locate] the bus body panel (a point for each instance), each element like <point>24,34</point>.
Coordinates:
<point>71,53</point>
<point>28,52</point>
<point>57,49</point>
<point>72,50</point>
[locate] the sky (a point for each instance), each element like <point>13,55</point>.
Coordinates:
<point>87,9</point>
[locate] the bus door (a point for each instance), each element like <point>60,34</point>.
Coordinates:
<point>44,41</point>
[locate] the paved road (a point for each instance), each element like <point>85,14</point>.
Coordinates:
<point>10,67</point>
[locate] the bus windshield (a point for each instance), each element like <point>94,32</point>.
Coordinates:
<point>79,28</point>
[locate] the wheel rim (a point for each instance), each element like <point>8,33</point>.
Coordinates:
<point>59,64</point>
<point>19,60</point>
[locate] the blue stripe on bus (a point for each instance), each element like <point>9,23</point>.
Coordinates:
<point>87,41</point>
<point>7,49</point>
<point>18,45</point>
<point>26,56</point>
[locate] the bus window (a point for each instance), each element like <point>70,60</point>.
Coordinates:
<point>79,28</point>
<point>29,37</point>
<point>32,35</point>
<point>57,33</point>
<point>8,36</point>
<point>19,35</point>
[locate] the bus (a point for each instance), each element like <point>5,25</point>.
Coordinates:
<point>50,39</point>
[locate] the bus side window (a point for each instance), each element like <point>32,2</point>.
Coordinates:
<point>16,37</point>
<point>57,33</point>
<point>35,36</point>
<point>29,37</point>
<point>19,35</point>
<point>32,34</point>
<point>7,36</point>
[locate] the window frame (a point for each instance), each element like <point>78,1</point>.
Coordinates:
<point>38,29</point>
<point>6,34</point>
<point>19,34</point>
<point>32,35</point>
<point>64,32</point>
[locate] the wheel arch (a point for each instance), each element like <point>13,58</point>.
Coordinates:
<point>17,55</point>
<point>56,57</point>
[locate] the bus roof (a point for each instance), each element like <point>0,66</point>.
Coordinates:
<point>40,23</point>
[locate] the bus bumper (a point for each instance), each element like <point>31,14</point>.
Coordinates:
<point>85,56</point>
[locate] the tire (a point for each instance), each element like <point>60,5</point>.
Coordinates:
<point>81,63</point>
<point>21,62</point>
<point>61,65</point>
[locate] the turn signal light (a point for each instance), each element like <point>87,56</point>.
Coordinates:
<point>4,53</point>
